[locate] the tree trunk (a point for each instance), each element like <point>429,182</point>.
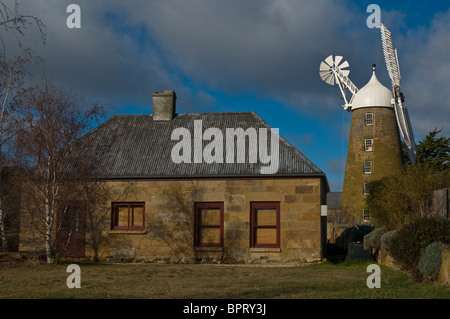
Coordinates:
<point>3,230</point>
<point>48,234</point>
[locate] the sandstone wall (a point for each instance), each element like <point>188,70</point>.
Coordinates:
<point>385,154</point>
<point>169,207</point>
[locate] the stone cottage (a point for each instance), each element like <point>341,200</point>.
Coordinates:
<point>199,187</point>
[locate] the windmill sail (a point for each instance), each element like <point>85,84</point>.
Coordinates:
<point>390,56</point>
<point>401,113</point>
<point>333,71</point>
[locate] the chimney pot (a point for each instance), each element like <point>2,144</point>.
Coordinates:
<point>164,105</point>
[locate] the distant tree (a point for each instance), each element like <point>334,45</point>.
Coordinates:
<point>396,200</point>
<point>50,121</point>
<point>434,151</point>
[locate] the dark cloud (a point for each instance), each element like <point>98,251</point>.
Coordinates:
<point>426,55</point>
<point>126,50</point>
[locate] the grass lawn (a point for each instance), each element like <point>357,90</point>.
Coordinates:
<point>195,281</point>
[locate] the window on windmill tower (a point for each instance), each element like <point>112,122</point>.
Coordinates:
<point>365,215</point>
<point>368,144</point>
<point>369,118</point>
<point>368,167</point>
<point>365,191</point>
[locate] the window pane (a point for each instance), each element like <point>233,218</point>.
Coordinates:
<point>368,167</point>
<point>122,216</point>
<point>137,216</point>
<point>210,216</point>
<point>369,118</point>
<point>266,217</point>
<point>65,217</point>
<point>210,235</point>
<point>266,236</point>
<point>368,143</point>
<point>366,217</point>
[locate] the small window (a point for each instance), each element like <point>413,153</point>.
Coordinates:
<point>368,144</point>
<point>369,118</point>
<point>71,216</point>
<point>208,225</point>
<point>128,216</point>
<point>365,191</point>
<point>368,167</point>
<point>365,215</point>
<point>265,224</point>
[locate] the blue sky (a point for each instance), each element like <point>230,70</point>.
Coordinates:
<point>249,55</point>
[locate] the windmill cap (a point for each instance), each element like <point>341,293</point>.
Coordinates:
<point>373,94</point>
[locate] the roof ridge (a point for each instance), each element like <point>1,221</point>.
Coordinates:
<point>187,114</point>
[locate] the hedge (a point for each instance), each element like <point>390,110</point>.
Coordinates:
<point>431,259</point>
<point>409,242</point>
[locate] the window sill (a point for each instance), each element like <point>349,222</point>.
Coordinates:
<point>209,249</point>
<point>265,250</point>
<point>129,232</point>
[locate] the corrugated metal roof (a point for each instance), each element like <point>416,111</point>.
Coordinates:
<point>136,146</point>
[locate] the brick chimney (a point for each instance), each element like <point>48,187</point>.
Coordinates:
<point>164,105</point>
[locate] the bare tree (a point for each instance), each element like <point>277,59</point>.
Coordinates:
<point>95,196</point>
<point>174,222</point>
<point>49,124</point>
<point>11,78</point>
<point>17,23</point>
<point>12,74</point>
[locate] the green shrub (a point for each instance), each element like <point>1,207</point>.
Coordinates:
<point>413,237</point>
<point>388,240</point>
<point>372,240</point>
<point>431,259</point>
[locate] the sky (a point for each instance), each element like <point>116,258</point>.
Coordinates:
<point>247,55</point>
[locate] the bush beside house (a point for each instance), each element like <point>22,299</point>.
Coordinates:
<point>415,248</point>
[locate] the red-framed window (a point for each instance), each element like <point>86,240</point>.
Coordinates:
<point>208,223</point>
<point>71,215</point>
<point>128,216</point>
<point>265,225</point>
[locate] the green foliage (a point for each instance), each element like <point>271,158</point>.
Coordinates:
<point>431,259</point>
<point>396,200</point>
<point>413,237</point>
<point>372,240</point>
<point>388,240</point>
<point>434,151</point>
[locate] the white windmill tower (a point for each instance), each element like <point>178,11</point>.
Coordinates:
<point>379,118</point>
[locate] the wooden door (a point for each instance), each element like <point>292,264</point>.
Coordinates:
<point>71,229</point>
